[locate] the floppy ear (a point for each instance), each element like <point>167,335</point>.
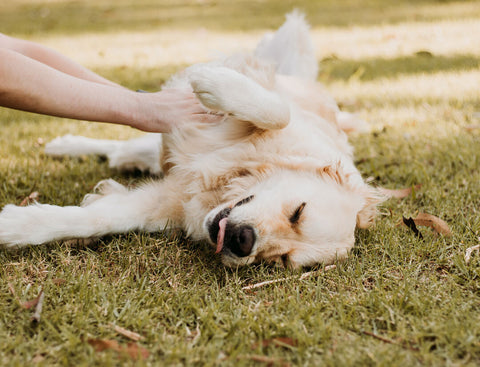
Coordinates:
<point>366,215</point>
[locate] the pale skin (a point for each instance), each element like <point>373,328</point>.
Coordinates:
<point>35,78</point>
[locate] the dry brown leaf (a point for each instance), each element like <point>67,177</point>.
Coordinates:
<point>32,303</point>
<point>103,344</point>
<point>127,333</point>
<point>437,224</point>
<point>278,342</point>
<point>30,198</point>
<point>58,281</point>
<point>133,350</point>
<point>269,361</point>
<point>400,193</point>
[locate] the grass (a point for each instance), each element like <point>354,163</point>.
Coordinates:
<point>410,68</point>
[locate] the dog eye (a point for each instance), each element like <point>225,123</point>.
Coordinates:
<point>298,212</point>
<point>244,201</point>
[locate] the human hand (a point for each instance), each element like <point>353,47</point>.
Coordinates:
<point>169,108</point>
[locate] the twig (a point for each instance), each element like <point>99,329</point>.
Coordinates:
<point>127,333</point>
<point>302,277</point>
<point>389,341</point>
<point>38,308</point>
<point>468,253</point>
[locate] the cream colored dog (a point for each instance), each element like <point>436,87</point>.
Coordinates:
<point>274,180</point>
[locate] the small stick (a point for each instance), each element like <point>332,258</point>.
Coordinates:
<point>38,308</point>
<point>389,341</point>
<point>468,253</point>
<point>127,333</point>
<point>302,277</point>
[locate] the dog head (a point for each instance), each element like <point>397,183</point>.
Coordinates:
<point>292,218</point>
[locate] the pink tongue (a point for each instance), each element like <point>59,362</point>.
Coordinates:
<point>221,234</point>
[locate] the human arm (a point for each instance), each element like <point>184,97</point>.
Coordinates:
<point>29,85</point>
<point>37,79</point>
<point>52,58</point>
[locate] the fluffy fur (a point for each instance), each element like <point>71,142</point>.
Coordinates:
<point>273,181</point>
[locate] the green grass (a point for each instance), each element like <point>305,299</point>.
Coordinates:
<point>396,301</point>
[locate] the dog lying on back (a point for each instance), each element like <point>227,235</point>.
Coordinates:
<point>273,181</point>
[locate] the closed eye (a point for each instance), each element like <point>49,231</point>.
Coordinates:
<point>244,201</point>
<point>295,217</point>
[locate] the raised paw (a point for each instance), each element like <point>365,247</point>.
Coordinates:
<point>224,89</point>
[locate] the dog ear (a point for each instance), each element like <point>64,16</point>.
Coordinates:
<point>372,198</point>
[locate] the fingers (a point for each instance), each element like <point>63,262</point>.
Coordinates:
<point>207,118</point>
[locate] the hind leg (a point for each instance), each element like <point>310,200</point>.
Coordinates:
<point>142,153</point>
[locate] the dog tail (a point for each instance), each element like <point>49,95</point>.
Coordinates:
<point>291,48</point>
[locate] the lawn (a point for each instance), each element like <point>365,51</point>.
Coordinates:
<point>410,68</point>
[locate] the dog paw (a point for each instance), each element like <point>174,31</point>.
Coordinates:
<point>104,187</point>
<point>224,89</point>
<point>217,87</point>
<point>61,145</point>
<point>125,162</point>
<point>18,227</point>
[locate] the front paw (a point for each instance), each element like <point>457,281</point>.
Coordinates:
<point>16,226</point>
<point>212,85</point>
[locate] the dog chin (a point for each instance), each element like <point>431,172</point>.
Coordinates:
<point>233,261</point>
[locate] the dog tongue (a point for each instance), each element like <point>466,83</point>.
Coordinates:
<point>221,234</point>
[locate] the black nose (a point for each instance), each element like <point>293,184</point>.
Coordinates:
<point>239,239</point>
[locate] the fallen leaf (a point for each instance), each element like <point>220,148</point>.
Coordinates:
<point>132,349</point>
<point>136,352</point>
<point>58,281</point>
<point>30,199</point>
<point>400,193</point>
<point>437,224</point>
<point>32,303</point>
<point>103,344</point>
<point>410,223</point>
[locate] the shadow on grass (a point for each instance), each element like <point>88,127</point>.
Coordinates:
<point>376,68</point>
<point>70,17</point>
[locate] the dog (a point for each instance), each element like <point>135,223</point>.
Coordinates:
<point>273,181</point>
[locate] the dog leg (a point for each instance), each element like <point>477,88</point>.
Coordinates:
<point>151,207</point>
<point>224,89</point>
<point>142,153</point>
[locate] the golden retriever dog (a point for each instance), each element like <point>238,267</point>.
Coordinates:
<point>273,181</point>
